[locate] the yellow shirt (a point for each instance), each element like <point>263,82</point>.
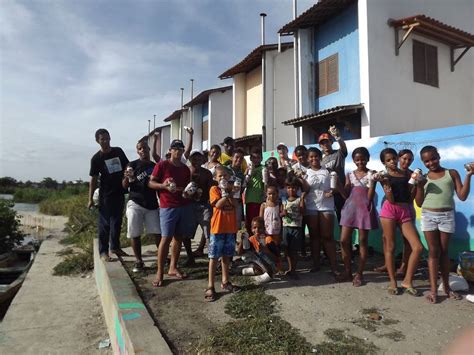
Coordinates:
<point>224,157</point>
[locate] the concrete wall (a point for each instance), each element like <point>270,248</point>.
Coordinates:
<point>397,103</point>
<point>175,129</point>
<point>279,96</point>
<point>239,105</point>
<point>220,116</point>
<point>165,140</point>
<point>340,35</point>
<point>198,112</point>
<point>253,114</point>
<point>306,71</point>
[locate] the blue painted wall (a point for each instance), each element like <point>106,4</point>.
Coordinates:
<point>340,35</point>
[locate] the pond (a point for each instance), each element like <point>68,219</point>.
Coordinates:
<point>21,207</point>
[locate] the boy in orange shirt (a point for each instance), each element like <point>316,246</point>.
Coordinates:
<point>223,231</point>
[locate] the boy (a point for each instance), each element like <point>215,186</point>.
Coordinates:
<point>254,193</point>
<point>235,169</point>
<point>228,153</point>
<point>223,231</point>
<point>142,205</point>
<point>108,164</point>
<point>283,160</point>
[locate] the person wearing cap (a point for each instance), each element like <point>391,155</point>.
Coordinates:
<point>170,177</point>
<point>203,179</point>
<point>227,154</point>
<point>334,160</point>
<point>283,160</point>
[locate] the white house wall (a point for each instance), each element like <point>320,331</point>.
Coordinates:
<point>239,105</point>
<point>165,140</point>
<point>306,71</point>
<point>220,116</point>
<point>197,126</point>
<point>397,103</point>
<point>253,116</point>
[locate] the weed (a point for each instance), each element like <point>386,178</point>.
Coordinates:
<point>253,303</point>
<point>395,335</point>
<point>64,252</point>
<point>366,324</point>
<point>343,343</point>
<point>388,321</point>
<point>75,264</point>
<point>370,310</point>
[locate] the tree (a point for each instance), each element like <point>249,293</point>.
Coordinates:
<point>10,234</point>
<point>49,183</point>
<point>7,185</point>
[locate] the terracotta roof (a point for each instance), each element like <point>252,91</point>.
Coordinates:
<point>247,138</point>
<point>322,114</point>
<point>175,115</point>
<point>253,60</point>
<point>435,29</point>
<point>204,96</point>
<point>315,15</point>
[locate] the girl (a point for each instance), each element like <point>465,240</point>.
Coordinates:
<point>270,211</point>
<point>396,212</point>
<point>405,157</point>
<point>319,204</point>
<point>358,212</point>
<point>435,197</point>
<point>270,172</point>
<point>214,155</point>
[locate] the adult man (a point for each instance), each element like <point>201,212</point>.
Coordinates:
<point>142,205</point>
<point>170,177</point>
<point>227,154</point>
<point>109,164</point>
<point>334,160</point>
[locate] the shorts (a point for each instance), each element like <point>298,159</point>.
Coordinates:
<point>202,217</point>
<point>400,213</point>
<point>291,238</point>
<point>177,221</point>
<point>139,217</point>
<point>442,221</point>
<point>316,212</point>
<point>221,245</point>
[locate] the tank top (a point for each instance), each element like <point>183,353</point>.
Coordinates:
<point>271,216</point>
<point>400,189</point>
<point>439,193</point>
<point>362,182</point>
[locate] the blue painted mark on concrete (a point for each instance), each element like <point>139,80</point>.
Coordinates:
<point>131,316</point>
<point>119,334</point>
<point>131,306</point>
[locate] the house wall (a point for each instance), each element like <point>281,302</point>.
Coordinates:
<point>306,71</point>
<point>220,117</point>
<point>165,140</point>
<point>175,129</point>
<point>340,35</point>
<point>199,111</point>
<point>239,105</point>
<point>253,114</point>
<point>397,103</point>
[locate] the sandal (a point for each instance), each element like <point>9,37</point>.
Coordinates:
<point>230,288</point>
<point>157,283</point>
<point>210,295</point>
<point>119,252</point>
<point>432,297</point>
<point>393,291</point>
<point>454,295</point>
<point>411,291</point>
<point>357,280</point>
<point>178,275</point>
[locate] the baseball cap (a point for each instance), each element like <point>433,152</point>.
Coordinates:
<point>195,151</point>
<point>281,145</point>
<point>177,144</point>
<point>323,137</point>
<point>227,140</point>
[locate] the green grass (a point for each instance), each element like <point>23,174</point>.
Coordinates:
<point>254,303</point>
<point>75,264</point>
<point>343,343</point>
<point>395,335</point>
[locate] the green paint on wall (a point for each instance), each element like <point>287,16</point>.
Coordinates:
<point>131,306</point>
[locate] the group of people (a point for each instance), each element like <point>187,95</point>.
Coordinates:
<point>261,211</point>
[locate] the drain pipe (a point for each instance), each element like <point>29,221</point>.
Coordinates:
<point>264,127</point>
<point>180,120</point>
<point>191,118</point>
<point>298,131</point>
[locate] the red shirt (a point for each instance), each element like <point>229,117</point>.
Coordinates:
<point>181,176</point>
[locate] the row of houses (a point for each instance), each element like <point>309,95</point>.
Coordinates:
<point>370,67</point>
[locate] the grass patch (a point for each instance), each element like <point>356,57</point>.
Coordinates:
<point>253,303</point>
<point>65,251</point>
<point>366,324</point>
<point>75,264</point>
<point>395,335</point>
<point>388,321</point>
<point>343,343</point>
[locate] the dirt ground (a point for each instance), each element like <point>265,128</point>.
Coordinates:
<point>313,304</point>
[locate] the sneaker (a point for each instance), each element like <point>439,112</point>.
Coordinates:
<point>248,271</point>
<point>105,258</point>
<point>138,266</point>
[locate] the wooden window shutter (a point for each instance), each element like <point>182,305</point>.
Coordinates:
<point>205,130</point>
<point>419,72</point>
<point>431,57</point>
<point>322,78</point>
<point>333,74</point>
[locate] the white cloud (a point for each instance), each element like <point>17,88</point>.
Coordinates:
<point>457,152</point>
<point>14,19</point>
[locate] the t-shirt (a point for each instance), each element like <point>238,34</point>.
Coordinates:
<point>109,167</point>
<point>203,178</point>
<point>319,182</point>
<point>335,162</point>
<point>255,192</point>
<point>224,160</point>
<point>181,175</point>
<point>293,217</point>
<point>140,193</point>
<point>223,219</point>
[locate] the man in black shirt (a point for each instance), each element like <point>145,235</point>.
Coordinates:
<point>109,164</point>
<point>142,205</point>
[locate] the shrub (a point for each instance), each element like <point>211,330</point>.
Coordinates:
<point>10,235</point>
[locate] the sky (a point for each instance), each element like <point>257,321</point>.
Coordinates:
<point>70,67</point>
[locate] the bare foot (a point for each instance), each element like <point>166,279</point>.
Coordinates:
<point>432,297</point>
<point>382,268</point>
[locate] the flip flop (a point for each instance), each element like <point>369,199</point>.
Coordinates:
<point>178,275</point>
<point>210,295</point>
<point>432,298</point>
<point>393,291</point>
<point>357,280</point>
<point>411,291</point>
<point>157,283</point>
<point>454,296</point>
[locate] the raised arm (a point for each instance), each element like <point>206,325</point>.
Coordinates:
<point>189,144</point>
<point>154,149</point>
<point>462,190</point>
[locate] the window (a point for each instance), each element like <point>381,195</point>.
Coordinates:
<point>328,75</point>
<point>425,64</point>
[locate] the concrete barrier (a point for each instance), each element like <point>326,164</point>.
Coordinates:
<point>131,328</point>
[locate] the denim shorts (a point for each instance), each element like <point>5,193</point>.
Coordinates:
<point>292,238</point>
<point>221,245</point>
<point>176,221</point>
<point>400,213</point>
<point>442,221</point>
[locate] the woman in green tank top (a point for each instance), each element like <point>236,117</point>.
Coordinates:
<point>436,198</point>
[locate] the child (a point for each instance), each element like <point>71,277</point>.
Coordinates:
<point>435,197</point>
<point>270,212</point>
<point>300,168</point>
<point>214,155</point>
<point>263,253</point>
<point>223,231</point>
<point>235,170</point>
<point>270,172</point>
<point>319,203</point>
<point>292,213</point>
<point>396,212</point>
<point>254,192</point>
<point>358,212</point>
<point>282,175</point>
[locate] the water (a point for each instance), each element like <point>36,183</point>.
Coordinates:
<point>21,207</point>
